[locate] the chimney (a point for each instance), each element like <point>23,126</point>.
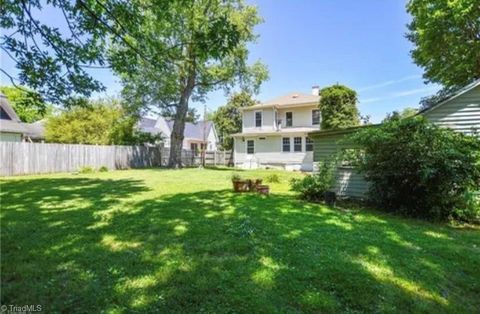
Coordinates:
<point>315,90</point>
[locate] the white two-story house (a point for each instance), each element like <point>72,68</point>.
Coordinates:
<point>275,133</point>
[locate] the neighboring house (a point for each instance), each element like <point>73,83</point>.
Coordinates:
<point>196,135</point>
<point>275,133</point>
<point>460,112</point>
<point>11,128</point>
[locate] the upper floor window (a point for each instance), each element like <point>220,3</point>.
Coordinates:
<point>289,118</point>
<point>250,147</point>
<point>297,144</point>
<point>308,144</point>
<point>258,119</point>
<point>285,144</point>
<point>315,117</point>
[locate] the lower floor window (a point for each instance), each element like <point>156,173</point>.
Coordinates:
<point>297,144</point>
<point>309,144</point>
<point>286,144</point>
<point>194,148</point>
<point>250,147</point>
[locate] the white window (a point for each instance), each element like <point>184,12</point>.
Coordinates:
<point>285,144</point>
<point>250,146</point>
<point>309,144</point>
<point>315,117</point>
<point>258,119</point>
<point>297,144</point>
<point>289,118</point>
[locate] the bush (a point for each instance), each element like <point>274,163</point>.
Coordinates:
<point>313,187</point>
<point>419,169</point>
<point>236,177</point>
<point>469,209</point>
<point>86,169</point>
<point>103,169</point>
<point>272,178</point>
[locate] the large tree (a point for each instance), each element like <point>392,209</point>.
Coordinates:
<point>195,46</point>
<point>228,118</point>
<point>338,106</point>
<point>446,39</point>
<point>28,105</point>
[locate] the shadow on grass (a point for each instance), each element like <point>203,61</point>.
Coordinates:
<point>82,244</point>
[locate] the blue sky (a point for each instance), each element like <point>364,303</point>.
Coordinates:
<point>360,44</point>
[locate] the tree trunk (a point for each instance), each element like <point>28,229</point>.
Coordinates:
<point>176,138</point>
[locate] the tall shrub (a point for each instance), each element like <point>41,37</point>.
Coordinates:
<point>313,187</point>
<point>338,105</point>
<point>419,169</point>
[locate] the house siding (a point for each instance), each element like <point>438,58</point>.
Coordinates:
<point>10,137</point>
<point>268,153</point>
<point>348,182</point>
<point>267,120</point>
<point>461,114</point>
<point>301,116</point>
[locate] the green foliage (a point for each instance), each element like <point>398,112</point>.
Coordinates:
<point>468,208</point>
<point>103,169</point>
<point>338,105</point>
<point>235,177</point>
<point>397,115</point>
<point>228,118</point>
<point>419,169</point>
<point>102,122</point>
<point>446,39</point>
<point>86,170</point>
<point>28,105</point>
<point>272,178</point>
<point>313,187</point>
<point>48,61</point>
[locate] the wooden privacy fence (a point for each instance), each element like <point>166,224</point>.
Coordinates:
<point>34,158</point>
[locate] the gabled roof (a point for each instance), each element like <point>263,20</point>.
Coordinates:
<point>14,125</point>
<point>454,95</point>
<point>148,125</point>
<point>192,130</point>
<point>291,99</point>
<point>5,105</point>
<point>195,130</point>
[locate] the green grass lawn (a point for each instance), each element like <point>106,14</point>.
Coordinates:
<point>181,241</point>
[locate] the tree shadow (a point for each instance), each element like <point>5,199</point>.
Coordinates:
<point>85,245</point>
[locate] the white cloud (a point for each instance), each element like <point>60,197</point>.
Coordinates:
<point>414,91</point>
<point>369,100</point>
<point>391,82</point>
<point>423,90</point>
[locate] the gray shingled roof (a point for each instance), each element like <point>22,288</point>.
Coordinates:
<point>148,125</point>
<point>36,130</point>
<point>194,130</point>
<point>10,126</point>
